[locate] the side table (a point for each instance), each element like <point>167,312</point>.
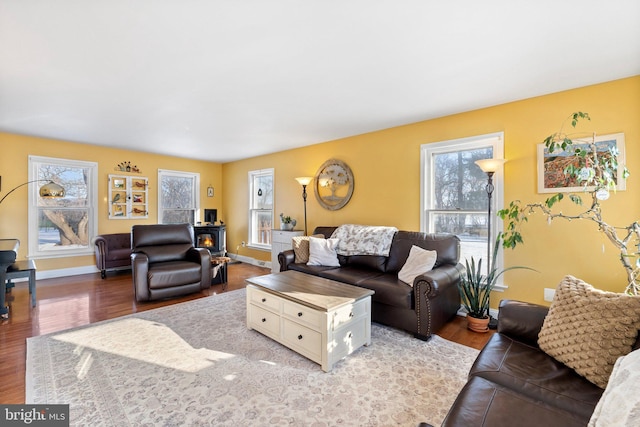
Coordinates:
<point>220,265</point>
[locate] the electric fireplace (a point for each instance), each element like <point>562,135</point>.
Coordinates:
<point>211,237</point>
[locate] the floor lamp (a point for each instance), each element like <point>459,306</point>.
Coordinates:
<point>304,181</point>
<point>490,166</point>
<point>50,190</point>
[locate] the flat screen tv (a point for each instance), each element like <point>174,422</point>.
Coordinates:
<point>210,216</point>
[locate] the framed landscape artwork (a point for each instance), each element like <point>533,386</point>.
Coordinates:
<point>551,178</point>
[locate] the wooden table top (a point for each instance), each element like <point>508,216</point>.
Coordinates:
<point>315,292</point>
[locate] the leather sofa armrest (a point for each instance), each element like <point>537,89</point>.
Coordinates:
<point>202,256</point>
<point>437,298</point>
<point>101,250</point>
<point>521,321</point>
<point>285,258</point>
<point>139,272</point>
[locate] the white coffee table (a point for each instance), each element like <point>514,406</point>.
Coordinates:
<point>321,319</point>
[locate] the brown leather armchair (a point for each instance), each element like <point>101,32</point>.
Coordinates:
<point>165,263</point>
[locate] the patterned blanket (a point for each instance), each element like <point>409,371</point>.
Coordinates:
<point>364,239</point>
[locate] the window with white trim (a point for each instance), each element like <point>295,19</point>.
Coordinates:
<point>454,192</point>
<point>260,208</point>
<point>61,227</point>
<point>178,197</point>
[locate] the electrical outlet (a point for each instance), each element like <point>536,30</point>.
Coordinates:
<point>243,244</point>
<point>548,294</point>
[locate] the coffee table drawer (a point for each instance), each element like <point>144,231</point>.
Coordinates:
<point>348,338</point>
<point>348,313</point>
<point>302,339</point>
<point>264,321</point>
<point>265,300</point>
<point>301,314</point>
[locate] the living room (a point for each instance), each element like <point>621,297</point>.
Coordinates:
<point>386,168</point>
<point>385,160</point>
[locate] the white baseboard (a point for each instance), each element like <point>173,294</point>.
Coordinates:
<point>91,269</point>
<point>249,260</point>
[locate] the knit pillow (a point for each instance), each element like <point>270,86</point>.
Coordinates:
<point>300,246</point>
<point>588,329</point>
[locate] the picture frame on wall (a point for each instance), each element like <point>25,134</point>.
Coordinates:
<point>551,177</point>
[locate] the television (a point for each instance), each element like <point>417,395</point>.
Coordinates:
<point>210,216</point>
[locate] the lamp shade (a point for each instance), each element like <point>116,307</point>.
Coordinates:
<point>304,180</point>
<point>51,190</point>
<point>490,165</point>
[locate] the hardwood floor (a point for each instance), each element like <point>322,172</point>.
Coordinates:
<point>73,301</point>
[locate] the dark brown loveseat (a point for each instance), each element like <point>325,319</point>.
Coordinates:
<point>113,251</point>
<point>514,383</point>
<point>422,309</point>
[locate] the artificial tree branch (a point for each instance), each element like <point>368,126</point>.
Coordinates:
<point>598,175</point>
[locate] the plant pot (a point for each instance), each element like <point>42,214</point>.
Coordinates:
<point>287,227</point>
<point>478,325</point>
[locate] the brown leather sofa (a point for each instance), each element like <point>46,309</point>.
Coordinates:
<point>422,309</point>
<point>514,383</point>
<point>112,251</point>
<point>165,262</point>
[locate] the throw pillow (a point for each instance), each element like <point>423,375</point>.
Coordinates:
<point>588,329</point>
<point>323,252</point>
<point>620,404</point>
<point>419,262</point>
<point>300,246</point>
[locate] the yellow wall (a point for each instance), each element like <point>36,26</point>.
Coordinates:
<point>14,170</point>
<point>386,166</point>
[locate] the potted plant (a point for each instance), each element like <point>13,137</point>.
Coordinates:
<point>286,222</point>
<point>475,289</point>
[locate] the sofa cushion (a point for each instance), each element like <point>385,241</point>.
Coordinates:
<point>374,262</point>
<point>485,403</point>
<point>419,262</point>
<point>532,372</point>
<point>389,290</point>
<point>309,269</point>
<point>446,245</point>
<point>173,273</point>
<point>620,402</point>
<point>323,252</point>
<point>119,254</point>
<point>588,329</point>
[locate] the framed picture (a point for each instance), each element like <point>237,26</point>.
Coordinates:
<point>210,191</point>
<point>551,177</point>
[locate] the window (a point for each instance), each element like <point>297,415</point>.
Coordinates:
<point>260,208</point>
<point>66,226</point>
<point>178,197</point>
<point>454,197</point>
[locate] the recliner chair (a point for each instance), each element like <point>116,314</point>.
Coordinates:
<point>165,263</point>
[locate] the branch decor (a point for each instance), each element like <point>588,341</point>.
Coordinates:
<point>597,173</point>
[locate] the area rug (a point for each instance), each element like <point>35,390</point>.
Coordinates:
<point>196,364</point>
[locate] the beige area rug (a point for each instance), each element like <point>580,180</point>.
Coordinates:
<point>196,364</point>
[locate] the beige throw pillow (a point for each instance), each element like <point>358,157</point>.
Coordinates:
<point>419,262</point>
<point>588,329</point>
<point>300,246</point>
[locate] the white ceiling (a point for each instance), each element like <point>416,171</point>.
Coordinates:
<point>223,80</point>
